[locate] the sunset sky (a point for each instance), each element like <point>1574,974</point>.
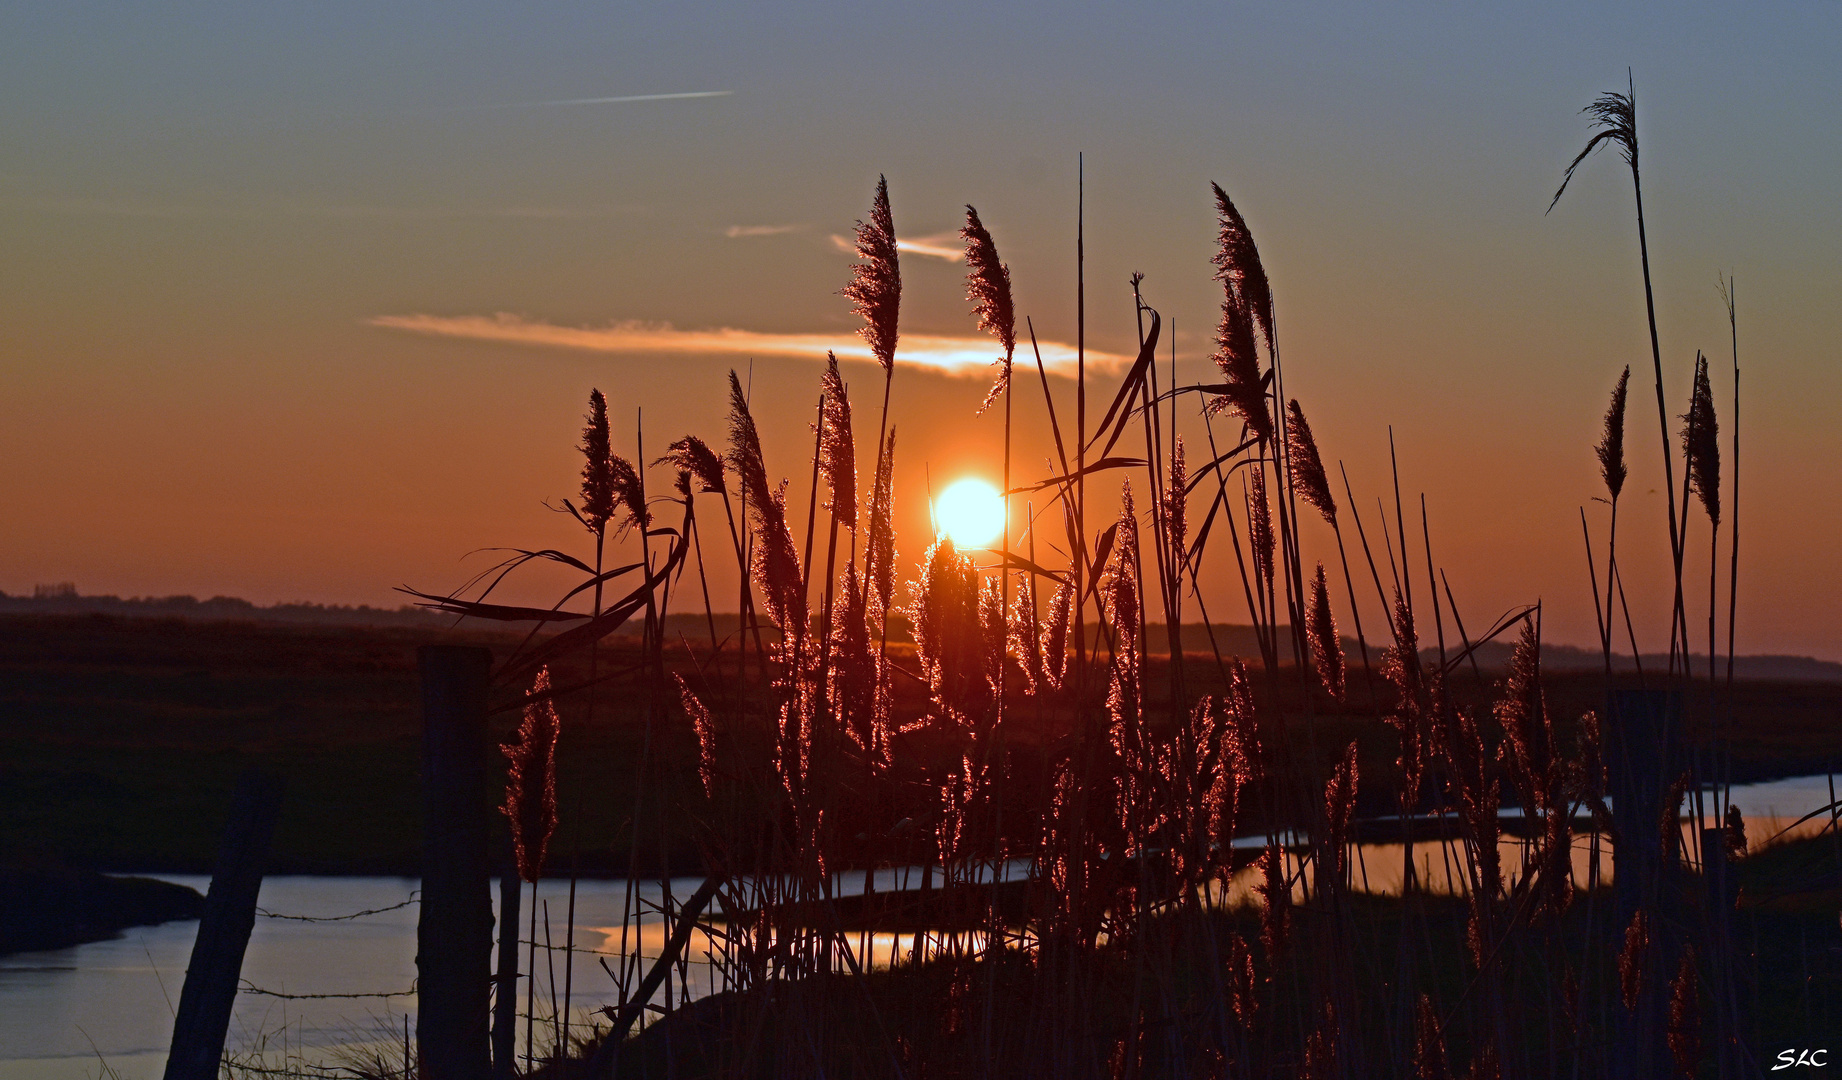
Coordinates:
<point>304,302</point>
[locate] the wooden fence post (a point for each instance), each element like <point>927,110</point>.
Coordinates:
<point>505,1001</point>
<point>454,934</point>
<point>1644,757</point>
<point>212,976</point>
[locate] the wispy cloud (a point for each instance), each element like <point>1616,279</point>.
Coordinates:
<point>734,232</point>
<point>946,245</point>
<point>623,100</point>
<point>969,356</point>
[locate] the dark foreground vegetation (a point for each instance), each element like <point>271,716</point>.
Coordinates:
<point>121,739</point>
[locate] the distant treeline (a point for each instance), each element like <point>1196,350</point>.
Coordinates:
<point>1231,640</point>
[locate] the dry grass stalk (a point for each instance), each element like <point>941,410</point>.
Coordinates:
<point>879,551</point>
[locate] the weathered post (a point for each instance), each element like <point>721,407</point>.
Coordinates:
<point>1644,756</point>
<point>454,934</point>
<point>505,999</point>
<point>212,976</point>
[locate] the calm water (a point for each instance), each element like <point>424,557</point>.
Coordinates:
<point>64,1013</point>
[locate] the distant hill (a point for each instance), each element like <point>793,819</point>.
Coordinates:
<point>64,600</point>
<point>1231,640</point>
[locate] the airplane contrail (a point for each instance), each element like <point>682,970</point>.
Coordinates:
<point>613,100</point>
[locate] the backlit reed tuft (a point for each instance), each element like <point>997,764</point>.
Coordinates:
<point>1632,959</point>
<point>777,567</point>
<point>1308,476</point>
<point>949,634</point>
<point>629,492</point>
<point>1247,304</point>
<point>530,781</point>
<point>875,288</point>
<point>1055,633</point>
<point>879,553</point>
<point>1611,448</point>
<point>1260,528</point>
<point>1701,442</point>
<point>1339,808</point>
<point>597,472</point>
<point>1026,634</point>
<point>852,683</point>
<point>837,450</point>
<point>1276,895</point>
<point>1238,266</point>
<point>1685,1016</point>
<point>988,286</point>
<point>705,726</point>
<point>1176,514</point>
<point>703,463</point>
<point>1321,628</point>
<point>1429,1058</point>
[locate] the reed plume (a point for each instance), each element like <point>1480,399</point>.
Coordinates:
<point>629,492</point>
<point>838,449</point>
<point>1326,647</point>
<point>1735,832</point>
<point>703,463</point>
<point>1276,893</point>
<point>705,726</point>
<point>1339,807</point>
<point>1308,476</point>
<point>1055,633</point>
<point>1631,959</point>
<point>949,631</point>
<point>1176,510</point>
<point>1611,448</point>
<point>1237,262</point>
<point>875,288</point>
<point>597,472</point>
<point>988,286</point>
<point>1121,584</point>
<point>1260,528</point>
<point>530,781</point>
<point>879,553</point>
<point>1026,635</point>
<point>1247,305</point>
<point>1523,714</point>
<point>852,681</point>
<point>1701,443</point>
<point>1615,115</point>
<point>1685,1016</point>
<point>776,564</point>
<point>1429,1058</point>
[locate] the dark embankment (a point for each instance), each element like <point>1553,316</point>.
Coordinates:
<point>52,909</point>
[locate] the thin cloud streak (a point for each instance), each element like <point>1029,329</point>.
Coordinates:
<point>963,356</point>
<point>734,232</point>
<point>938,246</point>
<point>610,100</point>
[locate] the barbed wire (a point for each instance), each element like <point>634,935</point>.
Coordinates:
<point>414,898</point>
<point>250,988</point>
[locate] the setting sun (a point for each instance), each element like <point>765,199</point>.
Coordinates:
<point>970,513</point>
